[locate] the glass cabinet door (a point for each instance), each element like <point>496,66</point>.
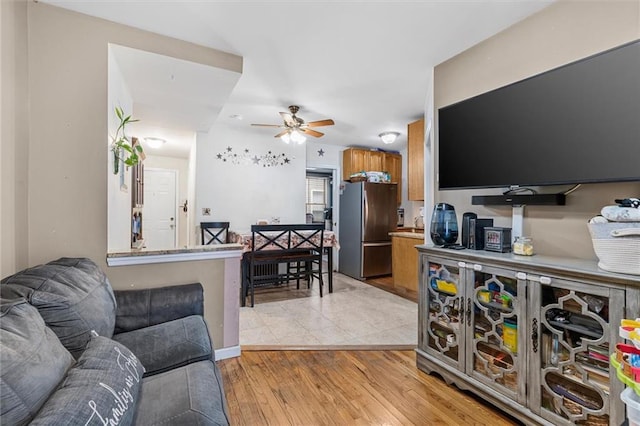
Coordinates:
<point>445,295</point>
<point>496,312</point>
<point>573,349</point>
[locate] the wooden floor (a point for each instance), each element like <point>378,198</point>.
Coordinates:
<point>345,388</point>
<point>386,283</point>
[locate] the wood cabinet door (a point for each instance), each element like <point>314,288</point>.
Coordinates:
<point>353,161</point>
<point>574,332</point>
<point>374,161</point>
<point>415,160</point>
<point>404,257</point>
<point>442,311</point>
<point>393,165</point>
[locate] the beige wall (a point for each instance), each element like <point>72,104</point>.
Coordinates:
<point>14,137</point>
<point>210,273</point>
<point>68,125</point>
<point>559,34</point>
<point>63,209</point>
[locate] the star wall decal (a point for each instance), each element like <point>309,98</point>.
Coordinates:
<point>321,153</point>
<point>265,160</point>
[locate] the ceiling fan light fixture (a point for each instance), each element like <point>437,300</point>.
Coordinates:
<point>297,137</point>
<point>286,138</point>
<point>389,137</point>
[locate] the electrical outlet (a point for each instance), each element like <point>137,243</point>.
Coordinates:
<point>206,211</point>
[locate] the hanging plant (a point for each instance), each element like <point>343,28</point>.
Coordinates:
<point>130,153</point>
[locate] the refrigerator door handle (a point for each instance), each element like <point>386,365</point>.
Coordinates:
<point>365,209</point>
<point>388,243</point>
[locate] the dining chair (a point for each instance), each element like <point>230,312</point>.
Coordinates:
<point>283,244</point>
<point>214,232</point>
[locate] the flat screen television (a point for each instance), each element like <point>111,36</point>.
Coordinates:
<point>579,123</point>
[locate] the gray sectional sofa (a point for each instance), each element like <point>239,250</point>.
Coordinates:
<point>74,352</point>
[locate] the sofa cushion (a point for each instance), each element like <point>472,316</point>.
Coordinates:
<point>103,387</point>
<point>32,359</point>
<point>73,296</point>
<point>189,395</point>
<point>169,345</point>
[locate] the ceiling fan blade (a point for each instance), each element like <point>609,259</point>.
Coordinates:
<point>284,132</point>
<point>327,122</point>
<point>268,125</point>
<point>312,132</point>
<point>288,118</point>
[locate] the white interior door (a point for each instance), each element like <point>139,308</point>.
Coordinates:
<point>159,214</point>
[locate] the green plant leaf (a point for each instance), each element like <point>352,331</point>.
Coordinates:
<point>122,146</point>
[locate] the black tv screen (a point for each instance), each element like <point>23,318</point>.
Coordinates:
<point>579,123</point>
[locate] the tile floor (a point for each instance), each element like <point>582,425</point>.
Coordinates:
<point>354,314</point>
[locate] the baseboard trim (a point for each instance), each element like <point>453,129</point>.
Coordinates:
<point>248,348</point>
<point>230,352</point>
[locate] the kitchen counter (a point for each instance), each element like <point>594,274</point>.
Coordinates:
<point>407,234</point>
<point>417,233</point>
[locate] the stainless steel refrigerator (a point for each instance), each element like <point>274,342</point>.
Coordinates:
<point>368,212</point>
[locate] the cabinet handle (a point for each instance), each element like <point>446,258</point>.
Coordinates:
<point>461,310</point>
<point>469,312</point>
<point>534,335</point>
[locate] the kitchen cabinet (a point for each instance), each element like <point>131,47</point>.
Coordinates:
<point>356,160</point>
<point>404,257</point>
<point>374,161</point>
<point>415,160</point>
<point>530,335</point>
<point>392,164</point>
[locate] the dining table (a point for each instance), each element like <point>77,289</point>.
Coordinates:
<point>329,242</point>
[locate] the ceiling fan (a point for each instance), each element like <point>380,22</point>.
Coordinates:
<point>295,127</point>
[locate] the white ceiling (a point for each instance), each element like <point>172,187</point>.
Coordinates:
<point>365,64</point>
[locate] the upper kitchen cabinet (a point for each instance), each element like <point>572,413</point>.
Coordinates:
<point>393,166</point>
<point>374,161</point>
<point>353,161</point>
<point>356,160</point>
<point>415,160</point>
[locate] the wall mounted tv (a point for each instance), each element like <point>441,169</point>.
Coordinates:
<point>579,123</point>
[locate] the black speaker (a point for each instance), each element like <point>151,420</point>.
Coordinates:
<point>476,232</point>
<point>466,219</point>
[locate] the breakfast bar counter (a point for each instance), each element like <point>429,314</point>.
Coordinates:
<point>183,254</point>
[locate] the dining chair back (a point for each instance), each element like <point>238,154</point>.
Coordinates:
<point>299,244</point>
<point>214,232</point>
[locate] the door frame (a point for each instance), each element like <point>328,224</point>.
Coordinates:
<point>335,201</point>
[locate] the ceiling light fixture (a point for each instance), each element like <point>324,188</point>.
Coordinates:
<point>293,135</point>
<point>155,142</point>
<point>389,137</point>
